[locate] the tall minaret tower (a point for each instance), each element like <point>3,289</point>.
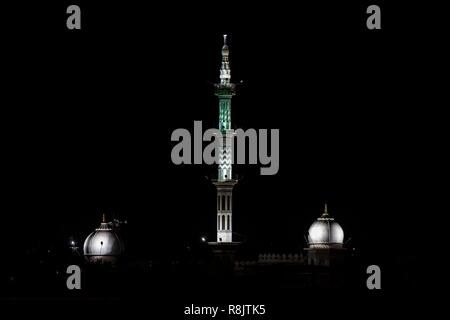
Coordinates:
<point>225,90</point>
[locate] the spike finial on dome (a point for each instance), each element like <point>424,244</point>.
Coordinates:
<point>325,211</point>
<point>104,218</point>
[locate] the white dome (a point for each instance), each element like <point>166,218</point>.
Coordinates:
<point>103,242</point>
<point>325,232</point>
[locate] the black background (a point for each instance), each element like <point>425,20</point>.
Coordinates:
<point>87,119</point>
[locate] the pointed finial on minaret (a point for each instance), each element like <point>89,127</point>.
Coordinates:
<point>104,218</point>
<point>224,39</point>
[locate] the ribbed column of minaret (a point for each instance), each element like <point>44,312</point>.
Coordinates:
<point>225,90</point>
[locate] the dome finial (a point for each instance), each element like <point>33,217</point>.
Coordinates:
<point>104,218</point>
<point>325,211</point>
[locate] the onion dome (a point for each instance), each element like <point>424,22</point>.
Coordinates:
<point>325,232</point>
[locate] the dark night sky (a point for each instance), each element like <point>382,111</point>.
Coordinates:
<point>88,117</point>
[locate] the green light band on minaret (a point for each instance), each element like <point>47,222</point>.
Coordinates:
<point>224,113</point>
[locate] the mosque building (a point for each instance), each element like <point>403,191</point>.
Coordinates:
<point>325,237</point>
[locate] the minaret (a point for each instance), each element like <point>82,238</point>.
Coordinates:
<point>225,90</point>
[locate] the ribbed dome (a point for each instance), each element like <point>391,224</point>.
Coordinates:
<point>325,232</point>
<point>103,242</point>
<point>225,50</point>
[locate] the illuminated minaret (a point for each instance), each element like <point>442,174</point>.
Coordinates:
<point>225,90</point>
